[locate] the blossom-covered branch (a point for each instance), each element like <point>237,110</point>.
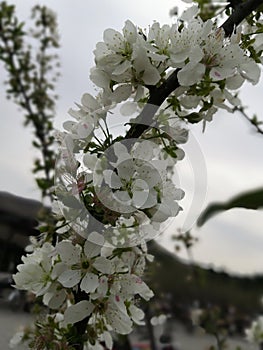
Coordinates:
<point>159,94</point>
<point>115,194</point>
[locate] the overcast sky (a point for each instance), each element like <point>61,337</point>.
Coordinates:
<point>230,149</point>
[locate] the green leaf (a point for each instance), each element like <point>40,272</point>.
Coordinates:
<point>194,117</point>
<point>44,184</point>
<point>249,200</point>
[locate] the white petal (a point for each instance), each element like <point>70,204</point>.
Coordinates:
<point>132,284</point>
<point>118,320</point>
<point>150,201</point>
<point>89,282</point>
<point>90,160</point>
<point>58,269</point>
<point>96,238</point>
<point>103,286</point>
<point>220,73</point>
<point>196,54</point>
<point>120,149</point>
<point>91,249</point>
<point>108,340</point>
<point>190,102</point>
<point>122,93</point>
<point>113,39</point>
<point>75,114</point>
<point>101,51</point>
<point>142,289</point>
<point>54,299</point>
<point>70,278</point>
<point>157,57</point>
<point>181,56</point>
<point>128,108</point>
<point>140,93</point>
<point>89,101</point>
<point>151,75</point>
<point>122,197</point>
<point>234,82</point>
<point>150,174</point>
<point>122,68</point>
<point>130,32</point>
<point>165,210</point>
<point>144,150</point>
<point>190,13</point>
<point>69,253</point>
<point>120,323</point>
<point>173,206</point>
<point>250,71</point>
<point>191,74</point>
<point>140,185</point>
<point>69,125</point>
<point>78,312</point>
<point>143,66</point>
<point>139,198</point>
<point>112,179</point>
<point>126,169</point>
<point>103,265</point>
<point>99,78</point>
<point>85,128</point>
<point>137,314</point>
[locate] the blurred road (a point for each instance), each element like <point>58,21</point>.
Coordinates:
<point>200,341</point>
<point>183,340</point>
<point>11,321</point>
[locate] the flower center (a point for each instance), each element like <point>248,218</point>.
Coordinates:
<point>85,265</point>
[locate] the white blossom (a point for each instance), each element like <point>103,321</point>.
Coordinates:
<point>35,272</point>
<point>254,334</point>
<point>79,265</point>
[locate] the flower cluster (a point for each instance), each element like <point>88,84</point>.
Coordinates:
<point>210,66</point>
<point>121,188</point>
<point>114,194</point>
<point>110,280</point>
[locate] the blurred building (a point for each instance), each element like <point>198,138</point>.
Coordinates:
<point>17,223</point>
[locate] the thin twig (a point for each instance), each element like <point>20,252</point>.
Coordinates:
<point>252,121</point>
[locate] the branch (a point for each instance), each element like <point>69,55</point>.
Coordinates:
<point>157,97</point>
<point>233,4</point>
<point>159,94</point>
<point>30,82</point>
<point>252,120</point>
<point>240,12</point>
